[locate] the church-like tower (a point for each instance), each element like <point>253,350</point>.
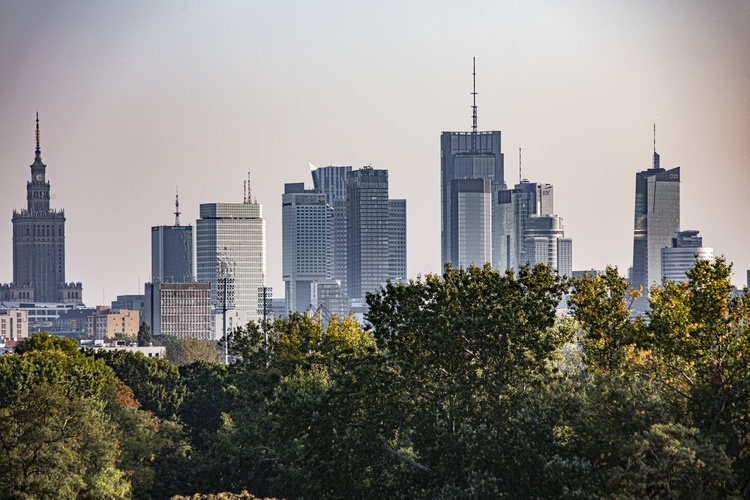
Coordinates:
<point>39,242</point>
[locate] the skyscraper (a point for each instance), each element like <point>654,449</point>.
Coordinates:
<point>466,155</point>
<point>172,251</point>
<point>686,249</point>
<point>545,243</point>
<point>367,230</point>
<point>397,240</point>
<point>657,221</point>
<point>39,243</point>
<point>231,244</point>
<point>471,221</point>
<point>306,245</point>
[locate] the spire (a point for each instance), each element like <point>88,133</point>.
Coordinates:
<point>177,207</point>
<point>519,165</point>
<point>474,107</point>
<point>38,144</point>
<point>656,155</point>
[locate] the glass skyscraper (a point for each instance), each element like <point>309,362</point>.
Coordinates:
<point>172,254</point>
<point>231,243</point>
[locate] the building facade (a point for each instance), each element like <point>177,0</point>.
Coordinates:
<point>306,243</point>
<point>39,243</point>
<point>107,323</point>
<point>182,310</point>
<point>397,240</point>
<point>686,249</point>
<point>172,254</point>
<point>231,245</point>
<point>471,222</point>
<point>657,221</point>
<point>14,324</point>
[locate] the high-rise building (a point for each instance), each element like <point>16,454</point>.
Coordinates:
<point>657,221</point>
<point>686,249</point>
<point>545,243</point>
<point>231,245</point>
<point>306,243</point>
<point>39,243</point>
<point>172,251</point>
<point>397,240</point>
<point>466,155</point>
<point>367,230</point>
<point>182,310</point>
<point>471,222</point>
<point>331,181</point>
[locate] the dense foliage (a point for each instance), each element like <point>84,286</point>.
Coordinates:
<point>465,385</point>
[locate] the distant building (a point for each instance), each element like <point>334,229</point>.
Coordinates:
<point>14,324</point>
<point>132,302</point>
<point>590,272</point>
<point>471,222</point>
<point>172,254</point>
<point>397,240</point>
<point>73,322</point>
<point>100,344</point>
<point>686,249</point>
<point>231,245</point>
<point>331,181</point>
<point>182,310</point>
<point>41,315</point>
<point>107,323</point>
<point>328,299</point>
<point>39,245</point>
<point>306,244</point>
<point>657,221</point>
<point>545,243</point>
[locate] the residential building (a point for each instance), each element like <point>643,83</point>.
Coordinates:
<point>14,324</point>
<point>182,310</point>
<point>107,323</point>
<point>686,249</point>
<point>39,244</point>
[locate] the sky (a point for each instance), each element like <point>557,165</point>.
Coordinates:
<point>139,98</point>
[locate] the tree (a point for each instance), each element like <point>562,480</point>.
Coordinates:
<point>43,341</point>
<point>144,335</point>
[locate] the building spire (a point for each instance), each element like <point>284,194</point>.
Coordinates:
<point>474,107</point>
<point>38,142</point>
<point>177,207</point>
<point>519,166</point>
<point>656,155</point>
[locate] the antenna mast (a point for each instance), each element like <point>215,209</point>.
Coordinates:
<point>474,107</point>
<point>519,165</point>
<point>177,207</point>
<point>38,144</point>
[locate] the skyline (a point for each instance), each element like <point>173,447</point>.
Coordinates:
<point>136,100</point>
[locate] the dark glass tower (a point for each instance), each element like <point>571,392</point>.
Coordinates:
<point>39,239</point>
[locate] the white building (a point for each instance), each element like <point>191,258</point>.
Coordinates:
<point>182,310</point>
<point>686,249</point>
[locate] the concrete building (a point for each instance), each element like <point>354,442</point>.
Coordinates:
<point>132,302</point>
<point>686,249</point>
<point>231,244</point>
<point>182,310</point>
<point>397,240</point>
<point>107,323</point>
<point>39,244</point>
<point>14,324</point>
<point>367,230</point>
<point>466,155</point>
<point>657,221</point>
<point>41,315</point>
<point>100,344</point>
<point>306,244</point>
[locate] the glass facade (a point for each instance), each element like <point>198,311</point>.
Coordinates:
<point>172,254</point>
<point>397,240</point>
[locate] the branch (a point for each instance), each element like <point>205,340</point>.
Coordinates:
<point>406,459</point>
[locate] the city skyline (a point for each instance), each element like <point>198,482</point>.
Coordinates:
<point>138,99</point>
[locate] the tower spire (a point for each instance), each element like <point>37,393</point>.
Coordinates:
<point>38,142</point>
<point>177,207</point>
<point>656,155</point>
<point>474,106</point>
<point>519,165</point>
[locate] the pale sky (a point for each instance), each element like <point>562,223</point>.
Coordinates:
<point>137,98</point>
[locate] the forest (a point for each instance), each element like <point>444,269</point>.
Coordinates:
<point>462,385</point>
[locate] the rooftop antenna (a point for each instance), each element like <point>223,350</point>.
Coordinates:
<point>656,155</point>
<point>38,142</point>
<point>474,107</point>
<point>244,192</point>
<point>519,165</point>
<point>176,208</point>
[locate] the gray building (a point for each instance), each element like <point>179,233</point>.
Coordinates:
<point>306,244</point>
<point>367,230</point>
<point>657,221</point>
<point>182,310</point>
<point>39,244</point>
<point>686,249</point>
<point>397,240</point>
<point>471,222</point>
<point>231,244</point>
<point>331,181</point>
<point>172,254</point>
<point>466,155</point>
<point>545,243</point>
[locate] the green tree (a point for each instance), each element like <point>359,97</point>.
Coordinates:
<point>45,342</point>
<point>144,335</point>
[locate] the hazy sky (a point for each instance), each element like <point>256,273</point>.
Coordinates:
<point>137,98</point>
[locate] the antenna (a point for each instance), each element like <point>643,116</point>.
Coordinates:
<point>177,207</point>
<point>654,137</point>
<point>519,165</point>
<point>38,146</point>
<point>474,107</point>
<point>656,155</point>
<point>244,192</point>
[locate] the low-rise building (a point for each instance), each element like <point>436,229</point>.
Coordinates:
<point>107,323</point>
<point>14,324</point>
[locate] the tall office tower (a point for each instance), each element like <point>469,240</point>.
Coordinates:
<point>471,222</point>
<point>466,155</point>
<point>686,249</point>
<point>657,221</point>
<point>306,222</point>
<point>514,207</point>
<point>39,242</point>
<point>545,243</point>
<point>340,245</point>
<point>231,244</point>
<point>331,181</point>
<point>182,310</point>
<point>172,251</point>
<point>367,230</point>
<point>397,240</point>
